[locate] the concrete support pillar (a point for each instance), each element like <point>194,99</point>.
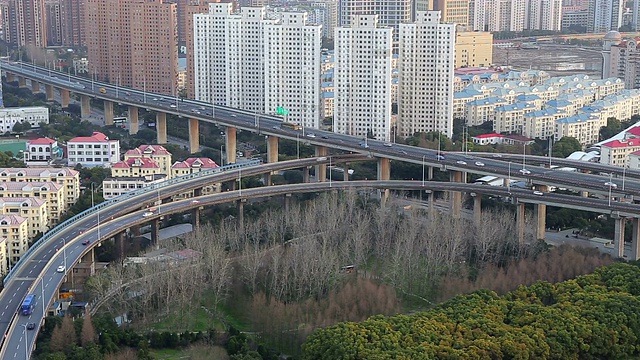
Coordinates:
<point>430,173</point>
<point>618,236</point>
<point>119,239</point>
<point>230,145</point>
<point>520,221</point>
<point>22,82</point>
<point>584,193</point>
<point>10,77</point>
<point>345,176</point>
<point>287,203</point>
<point>135,230</point>
<point>108,112</point>
<point>85,106</point>
<point>456,196</point>
<point>477,209</point>
<point>541,220</point>
<point>197,192</point>
<point>305,174</point>
<point>161,127</point>
<point>195,218</point>
<point>194,136</point>
<point>64,98</point>
<point>48,89</point>
<point>384,173</point>
<point>35,87</point>
<point>134,126</point>
<point>321,170</point>
<point>92,267</point>
<point>272,149</point>
<point>635,237</point>
<point>155,233</point>
<point>240,207</point>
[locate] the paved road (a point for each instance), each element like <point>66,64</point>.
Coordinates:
<point>271,125</point>
<point>26,277</point>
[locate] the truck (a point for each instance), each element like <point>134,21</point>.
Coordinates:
<point>103,90</point>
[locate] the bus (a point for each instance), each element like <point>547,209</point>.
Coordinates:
<point>119,121</point>
<point>291,126</point>
<point>28,304</point>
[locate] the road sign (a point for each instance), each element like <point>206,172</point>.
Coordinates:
<point>282,111</point>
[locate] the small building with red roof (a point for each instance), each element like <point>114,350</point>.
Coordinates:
<point>617,152</point>
<point>94,150</point>
<point>41,152</point>
<point>488,139</point>
<point>192,165</point>
<point>156,152</point>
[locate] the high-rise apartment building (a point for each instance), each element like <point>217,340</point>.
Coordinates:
<point>362,78</point>
<point>24,22</point>
<point>604,15</point>
<point>426,70</point>
<point>72,13</point>
<point>390,13</point>
<point>453,11</point>
<point>515,15</point>
<point>253,63</point>
<point>54,22</point>
<point>134,43</point>
<point>193,7</point>
<point>325,13</point>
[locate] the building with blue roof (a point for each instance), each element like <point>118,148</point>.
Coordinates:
<point>541,124</point>
<point>583,127</point>
<point>482,110</point>
<point>509,118</point>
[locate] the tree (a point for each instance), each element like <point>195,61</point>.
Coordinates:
<point>613,127</point>
<point>565,147</point>
<point>88,334</point>
<point>63,337</point>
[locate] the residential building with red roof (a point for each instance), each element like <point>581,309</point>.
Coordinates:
<point>94,150</point>
<point>52,193</point>
<point>69,178</point>
<point>488,139</point>
<point>14,228</point>
<point>158,153</point>
<point>192,165</point>
<point>616,152</point>
<point>41,152</point>
<point>33,209</point>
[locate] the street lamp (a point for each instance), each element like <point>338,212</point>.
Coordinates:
<point>330,171</point>
<point>221,156</point>
<point>509,179</point>
<point>42,287</point>
<point>610,185</point>
<point>144,87</point>
<point>298,144</point>
<point>423,156</point>
<point>624,170</point>
<point>26,347</point>
<point>240,180</point>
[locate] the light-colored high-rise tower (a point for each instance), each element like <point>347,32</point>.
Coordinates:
<point>24,23</point>
<point>325,13</point>
<point>604,15</point>
<point>362,78</point>
<point>425,84</point>
<point>250,62</point>
<point>54,22</point>
<point>134,43</point>
<point>544,15</point>
<point>390,13</point>
<point>73,15</point>
<point>453,11</point>
<point>190,8</point>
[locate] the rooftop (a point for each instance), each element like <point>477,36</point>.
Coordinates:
<point>41,141</point>
<point>39,172</point>
<point>95,137</point>
<point>487,136</point>
<point>622,143</point>
<point>144,163</point>
<point>148,150</point>
<point>200,163</point>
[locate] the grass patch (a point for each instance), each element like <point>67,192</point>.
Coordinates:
<point>168,354</point>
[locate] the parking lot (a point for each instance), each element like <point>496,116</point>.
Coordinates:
<point>557,60</point>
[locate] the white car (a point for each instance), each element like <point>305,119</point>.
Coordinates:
<point>610,184</point>
<point>388,144</point>
<point>524,171</point>
<point>195,201</point>
<point>539,193</point>
<point>479,163</point>
<point>147,214</point>
<point>460,162</point>
<point>172,106</point>
<point>61,269</point>
<point>311,135</point>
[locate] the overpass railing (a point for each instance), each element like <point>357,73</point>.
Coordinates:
<point>56,230</point>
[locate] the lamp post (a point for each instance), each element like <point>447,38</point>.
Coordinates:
<point>26,346</point>
<point>68,74</point>
<point>330,171</point>
<point>240,181</point>
<point>221,156</point>
<point>509,179</point>
<point>624,170</point>
<point>298,145</point>
<point>42,287</point>
<point>144,87</point>
<point>610,185</point>
<point>423,156</point>
<point>524,155</point>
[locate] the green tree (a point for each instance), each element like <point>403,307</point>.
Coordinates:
<point>565,147</point>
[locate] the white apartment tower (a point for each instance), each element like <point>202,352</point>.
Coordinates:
<point>604,15</point>
<point>390,12</point>
<point>362,78</point>
<point>292,68</point>
<point>426,69</point>
<point>515,15</point>
<point>257,64</point>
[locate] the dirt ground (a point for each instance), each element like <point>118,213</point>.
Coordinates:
<point>557,60</point>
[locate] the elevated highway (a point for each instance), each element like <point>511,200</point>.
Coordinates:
<point>269,125</point>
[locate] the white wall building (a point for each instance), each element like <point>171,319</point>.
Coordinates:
<point>390,13</point>
<point>545,15</point>
<point>426,71</point>
<point>33,115</point>
<point>94,150</point>
<point>253,63</point>
<point>604,15</point>
<point>515,15</point>
<point>41,151</point>
<point>325,13</point>
<point>362,97</point>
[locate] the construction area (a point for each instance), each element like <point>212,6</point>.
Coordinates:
<point>557,60</point>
